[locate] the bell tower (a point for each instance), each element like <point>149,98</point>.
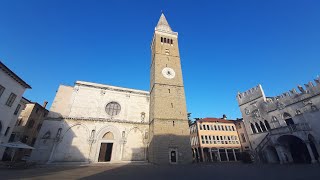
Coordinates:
<point>169,129</point>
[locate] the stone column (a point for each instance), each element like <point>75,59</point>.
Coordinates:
<point>122,143</point>
<point>280,153</point>
<point>289,155</point>
<point>234,154</point>
<point>227,154</point>
<point>211,159</point>
<point>313,160</point>
<point>317,149</point>
<point>196,156</point>
<point>219,157</point>
<point>202,154</point>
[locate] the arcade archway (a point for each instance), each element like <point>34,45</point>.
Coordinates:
<point>296,148</point>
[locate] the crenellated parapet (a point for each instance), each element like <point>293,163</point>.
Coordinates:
<point>250,95</point>
<point>293,96</point>
<point>285,99</point>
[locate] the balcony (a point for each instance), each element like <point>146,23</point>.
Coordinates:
<point>290,129</point>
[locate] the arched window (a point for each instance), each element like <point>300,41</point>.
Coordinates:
<point>275,122</point>
<point>288,119</point>
<point>253,129</point>
<point>286,115</point>
<point>267,124</point>
<point>58,133</point>
<point>262,126</point>
<point>161,39</point>
<point>93,132</point>
<point>258,127</point>
<point>165,40</point>
<point>171,41</point>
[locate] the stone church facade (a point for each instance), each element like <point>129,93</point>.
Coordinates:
<point>91,122</point>
<point>285,128</point>
<point>90,118</point>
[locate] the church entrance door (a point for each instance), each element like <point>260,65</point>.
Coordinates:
<point>105,152</point>
<point>173,157</point>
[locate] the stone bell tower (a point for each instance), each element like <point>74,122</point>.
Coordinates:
<point>169,130</point>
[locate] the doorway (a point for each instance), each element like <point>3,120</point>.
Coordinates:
<point>173,157</point>
<point>289,122</point>
<point>105,152</point>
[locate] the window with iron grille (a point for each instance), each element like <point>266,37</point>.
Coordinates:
<point>11,99</point>
<point>113,108</point>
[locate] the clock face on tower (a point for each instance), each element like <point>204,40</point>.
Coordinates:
<point>168,73</point>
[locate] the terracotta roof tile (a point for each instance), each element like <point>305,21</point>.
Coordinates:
<point>215,120</point>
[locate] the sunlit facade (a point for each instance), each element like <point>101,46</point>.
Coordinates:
<point>214,139</point>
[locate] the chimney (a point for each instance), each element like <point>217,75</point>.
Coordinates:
<point>45,104</point>
<point>224,116</point>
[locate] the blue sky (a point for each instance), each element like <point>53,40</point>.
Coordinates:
<point>226,46</point>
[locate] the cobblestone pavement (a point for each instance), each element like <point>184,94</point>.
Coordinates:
<point>216,171</point>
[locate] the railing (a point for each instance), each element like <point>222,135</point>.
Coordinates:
<point>263,142</point>
<point>290,129</point>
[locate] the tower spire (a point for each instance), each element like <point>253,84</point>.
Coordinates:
<point>163,24</point>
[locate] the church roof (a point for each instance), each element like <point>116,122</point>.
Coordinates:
<point>113,88</point>
<point>163,25</point>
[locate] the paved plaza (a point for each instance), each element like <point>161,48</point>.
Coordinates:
<point>223,171</point>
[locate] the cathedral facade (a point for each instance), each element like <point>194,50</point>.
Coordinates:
<point>91,122</point>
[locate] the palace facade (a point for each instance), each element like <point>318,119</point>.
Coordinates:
<point>285,128</point>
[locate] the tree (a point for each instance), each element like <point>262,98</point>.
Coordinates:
<point>189,120</point>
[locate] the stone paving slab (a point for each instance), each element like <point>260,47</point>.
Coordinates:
<point>216,171</point>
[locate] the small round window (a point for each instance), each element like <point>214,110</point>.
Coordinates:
<point>113,108</point>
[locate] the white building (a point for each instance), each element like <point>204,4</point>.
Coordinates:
<point>12,88</point>
<point>92,122</point>
<point>95,123</point>
<point>285,128</point>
